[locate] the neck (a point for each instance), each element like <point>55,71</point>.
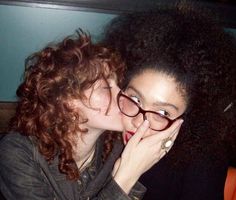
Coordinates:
<point>81,164</point>
<point>85,148</point>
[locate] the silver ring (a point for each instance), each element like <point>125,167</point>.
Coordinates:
<point>166,144</point>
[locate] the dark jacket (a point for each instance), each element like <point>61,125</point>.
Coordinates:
<point>201,179</point>
<point>25,175</point>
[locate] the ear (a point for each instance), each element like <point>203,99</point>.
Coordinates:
<point>75,103</point>
<point>78,108</point>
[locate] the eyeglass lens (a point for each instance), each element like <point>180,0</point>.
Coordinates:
<point>130,108</point>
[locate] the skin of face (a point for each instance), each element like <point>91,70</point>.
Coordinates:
<point>153,91</point>
<point>95,105</point>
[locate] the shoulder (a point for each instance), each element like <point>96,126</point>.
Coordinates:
<point>15,147</point>
<point>14,140</point>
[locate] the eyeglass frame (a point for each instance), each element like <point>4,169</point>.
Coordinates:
<point>143,111</point>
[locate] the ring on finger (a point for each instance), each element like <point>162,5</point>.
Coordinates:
<point>166,144</point>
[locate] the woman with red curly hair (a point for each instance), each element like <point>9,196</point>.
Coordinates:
<point>55,148</point>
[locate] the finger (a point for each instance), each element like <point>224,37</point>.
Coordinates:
<point>140,132</point>
<point>116,166</point>
<point>175,134</point>
<point>163,135</point>
<point>162,154</point>
<point>172,141</point>
<point>174,128</point>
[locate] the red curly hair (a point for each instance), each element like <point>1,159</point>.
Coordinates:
<point>53,76</point>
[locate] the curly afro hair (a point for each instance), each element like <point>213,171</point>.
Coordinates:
<point>196,50</point>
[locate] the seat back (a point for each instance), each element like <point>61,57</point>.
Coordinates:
<point>230,185</point>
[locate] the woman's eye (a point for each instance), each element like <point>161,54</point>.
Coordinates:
<point>163,112</point>
<point>107,86</point>
<point>135,99</point>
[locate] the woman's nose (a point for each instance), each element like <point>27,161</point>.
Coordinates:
<point>137,120</point>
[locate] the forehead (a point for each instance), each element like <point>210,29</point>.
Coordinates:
<point>158,87</point>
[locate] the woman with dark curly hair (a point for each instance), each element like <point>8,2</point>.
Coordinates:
<point>181,63</point>
<point>55,148</point>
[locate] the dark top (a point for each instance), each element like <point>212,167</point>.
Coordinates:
<point>201,179</point>
<point>25,175</point>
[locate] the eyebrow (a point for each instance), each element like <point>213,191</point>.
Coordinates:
<point>157,103</point>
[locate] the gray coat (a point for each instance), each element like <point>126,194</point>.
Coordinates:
<point>25,175</point>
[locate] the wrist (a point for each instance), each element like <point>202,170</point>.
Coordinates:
<point>125,182</point>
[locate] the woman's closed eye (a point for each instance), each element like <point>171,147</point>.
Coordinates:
<point>107,87</point>
<point>109,84</point>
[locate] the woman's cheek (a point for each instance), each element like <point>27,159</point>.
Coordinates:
<point>126,122</point>
<point>100,101</point>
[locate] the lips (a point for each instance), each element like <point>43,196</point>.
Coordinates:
<point>128,135</point>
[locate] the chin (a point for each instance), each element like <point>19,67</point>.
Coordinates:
<point>117,128</point>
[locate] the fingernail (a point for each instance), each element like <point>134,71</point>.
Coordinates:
<point>146,123</point>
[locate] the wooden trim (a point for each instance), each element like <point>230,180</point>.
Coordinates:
<point>225,11</point>
<point>7,110</point>
<point>230,184</point>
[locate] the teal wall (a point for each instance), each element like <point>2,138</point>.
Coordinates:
<point>24,30</point>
